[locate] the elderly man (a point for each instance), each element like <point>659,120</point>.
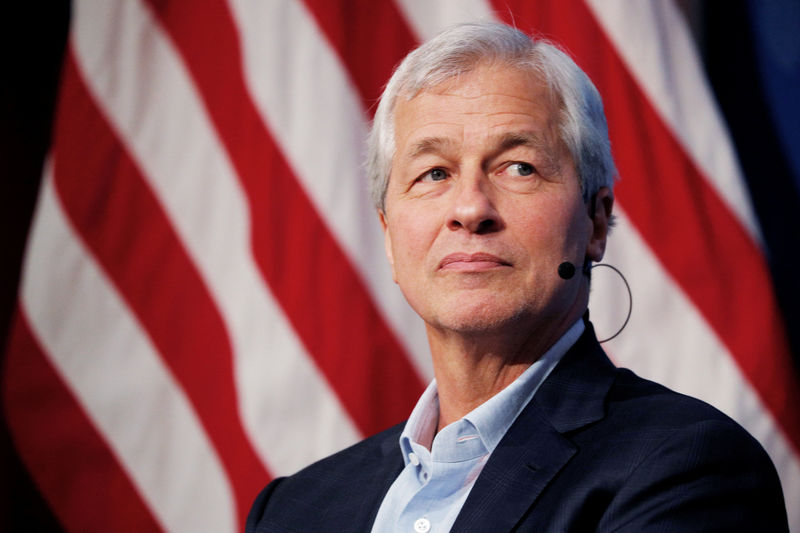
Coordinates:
<point>492,174</point>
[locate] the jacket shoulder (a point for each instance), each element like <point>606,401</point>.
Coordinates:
<point>647,458</point>
<point>687,465</point>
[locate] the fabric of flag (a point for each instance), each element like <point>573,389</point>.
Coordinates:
<point>205,302</point>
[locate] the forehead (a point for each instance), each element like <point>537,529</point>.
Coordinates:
<point>488,101</point>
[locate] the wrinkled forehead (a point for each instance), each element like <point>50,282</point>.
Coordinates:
<point>520,88</point>
<point>491,100</point>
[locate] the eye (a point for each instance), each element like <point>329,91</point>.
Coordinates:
<point>521,169</point>
<point>434,174</point>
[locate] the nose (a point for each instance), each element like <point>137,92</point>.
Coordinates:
<point>472,206</point>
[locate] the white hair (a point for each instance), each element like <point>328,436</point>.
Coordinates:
<point>462,48</point>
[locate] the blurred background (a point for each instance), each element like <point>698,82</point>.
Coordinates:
<point>194,298</point>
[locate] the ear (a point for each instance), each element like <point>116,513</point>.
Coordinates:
<point>601,223</point>
<point>387,242</point>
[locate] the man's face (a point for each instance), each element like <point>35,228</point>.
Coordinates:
<point>483,204</point>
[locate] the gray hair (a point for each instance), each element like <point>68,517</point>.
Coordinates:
<point>459,50</point>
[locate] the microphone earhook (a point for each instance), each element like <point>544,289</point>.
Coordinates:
<point>630,298</point>
<point>566,271</point>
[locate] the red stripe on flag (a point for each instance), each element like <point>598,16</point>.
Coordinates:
<point>693,233</point>
<point>317,287</point>
<point>370,37</point>
<point>123,224</point>
<point>73,467</point>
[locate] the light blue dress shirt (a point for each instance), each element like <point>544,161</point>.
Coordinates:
<point>440,470</point>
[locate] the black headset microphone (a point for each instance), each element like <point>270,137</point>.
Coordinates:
<point>566,270</point>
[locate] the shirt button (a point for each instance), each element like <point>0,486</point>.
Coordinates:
<point>423,525</point>
<point>413,458</point>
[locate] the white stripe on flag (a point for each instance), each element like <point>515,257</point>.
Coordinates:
<point>693,360</point>
<point>653,40</point>
<point>161,119</point>
<point>429,18</point>
<point>107,360</point>
<point>312,110</point>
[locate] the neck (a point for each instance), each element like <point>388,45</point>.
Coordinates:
<point>472,367</point>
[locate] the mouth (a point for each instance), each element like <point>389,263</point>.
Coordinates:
<point>477,262</point>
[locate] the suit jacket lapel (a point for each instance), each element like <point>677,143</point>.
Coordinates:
<point>357,511</point>
<point>535,449</point>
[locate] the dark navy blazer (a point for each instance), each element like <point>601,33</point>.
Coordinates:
<point>597,449</point>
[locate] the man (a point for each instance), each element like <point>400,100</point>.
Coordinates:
<point>492,175</point>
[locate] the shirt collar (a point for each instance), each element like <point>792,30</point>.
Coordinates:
<point>493,417</point>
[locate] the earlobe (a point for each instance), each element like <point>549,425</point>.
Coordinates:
<point>387,242</point>
<point>600,211</point>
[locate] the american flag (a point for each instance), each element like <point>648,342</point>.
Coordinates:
<point>205,303</point>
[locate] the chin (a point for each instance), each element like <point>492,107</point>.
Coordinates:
<point>482,318</point>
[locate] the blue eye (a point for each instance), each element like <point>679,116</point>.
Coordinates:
<point>435,174</point>
<point>523,169</point>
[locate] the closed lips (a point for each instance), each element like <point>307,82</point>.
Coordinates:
<point>464,258</point>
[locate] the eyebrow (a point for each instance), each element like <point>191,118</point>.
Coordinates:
<point>503,142</point>
<point>510,140</point>
<point>430,145</point>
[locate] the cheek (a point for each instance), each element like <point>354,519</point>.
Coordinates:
<point>551,231</point>
<point>410,238</point>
